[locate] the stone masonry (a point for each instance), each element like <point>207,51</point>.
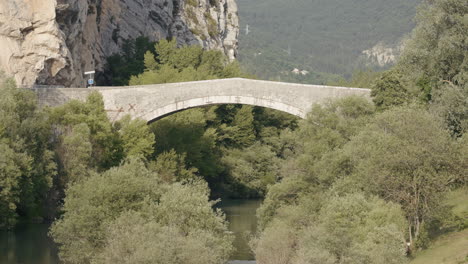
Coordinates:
<point>151,102</point>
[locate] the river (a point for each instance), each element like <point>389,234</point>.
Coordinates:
<point>29,243</point>
<point>241,215</point>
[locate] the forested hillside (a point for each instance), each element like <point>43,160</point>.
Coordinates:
<point>324,37</point>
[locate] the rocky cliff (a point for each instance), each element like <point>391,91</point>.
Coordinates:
<point>383,55</point>
<point>54,41</point>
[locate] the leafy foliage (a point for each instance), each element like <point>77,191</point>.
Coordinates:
<point>186,134</point>
<point>120,67</point>
<point>254,168</point>
<point>107,149</point>
<point>344,149</point>
<point>334,229</point>
<point>437,49</point>
<point>136,239</point>
<point>327,128</point>
<point>27,165</point>
<point>433,65</point>
<point>171,167</point>
<point>76,152</point>
<point>109,212</point>
<point>138,141</point>
<point>406,166</point>
<point>388,90</point>
<point>189,63</point>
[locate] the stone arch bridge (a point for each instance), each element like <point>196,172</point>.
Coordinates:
<point>152,102</point>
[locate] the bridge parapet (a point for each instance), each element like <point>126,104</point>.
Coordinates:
<point>151,102</point>
<point>59,96</point>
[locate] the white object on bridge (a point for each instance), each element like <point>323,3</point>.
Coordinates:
<point>90,81</point>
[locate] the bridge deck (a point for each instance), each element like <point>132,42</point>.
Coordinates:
<point>154,101</point>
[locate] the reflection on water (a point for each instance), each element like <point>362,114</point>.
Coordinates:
<point>241,215</point>
<point>28,244</point>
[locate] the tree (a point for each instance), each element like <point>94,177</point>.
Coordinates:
<point>450,102</point>
<point>433,58</point>
<point>333,229</point>
<point>186,133</point>
<point>76,152</point>
<point>436,50</point>
<point>389,90</point>
<point>170,63</point>
<point>14,167</point>
<point>407,157</point>
<point>253,169</point>
<point>275,245</point>
<point>171,167</point>
<point>328,127</point>
<point>110,211</point>
<point>130,61</point>
<point>135,239</point>
<point>29,166</point>
<point>137,139</point>
<point>106,143</point>
<point>244,121</point>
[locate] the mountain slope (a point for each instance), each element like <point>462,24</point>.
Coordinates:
<point>327,36</point>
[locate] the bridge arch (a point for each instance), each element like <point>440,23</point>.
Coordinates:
<point>152,102</point>
<point>171,108</point>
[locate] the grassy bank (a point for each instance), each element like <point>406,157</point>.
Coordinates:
<point>451,248</point>
<point>448,249</point>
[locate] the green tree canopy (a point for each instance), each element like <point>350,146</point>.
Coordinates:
<point>334,229</point>
<point>433,67</point>
<point>130,61</point>
<point>107,211</point>
<point>255,168</point>
<point>406,156</point>
<point>137,139</point>
<point>170,63</point>
<point>107,147</point>
<point>436,51</point>
<point>28,167</point>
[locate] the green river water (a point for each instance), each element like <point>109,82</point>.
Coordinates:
<point>29,244</point>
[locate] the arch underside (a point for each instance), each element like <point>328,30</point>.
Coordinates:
<point>174,107</point>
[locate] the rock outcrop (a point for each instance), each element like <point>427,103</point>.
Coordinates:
<point>382,55</point>
<point>54,41</point>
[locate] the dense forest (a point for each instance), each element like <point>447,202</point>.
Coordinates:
<point>324,37</point>
<point>357,181</point>
<point>361,178</point>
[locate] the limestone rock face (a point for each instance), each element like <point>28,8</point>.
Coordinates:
<point>54,41</point>
<point>383,55</point>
